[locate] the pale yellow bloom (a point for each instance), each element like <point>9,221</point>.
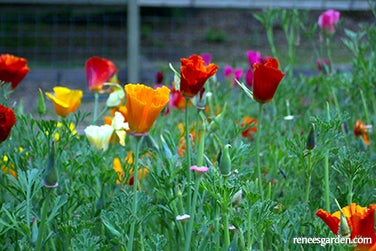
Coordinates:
<point>99,136</point>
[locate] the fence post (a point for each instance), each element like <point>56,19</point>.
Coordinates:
<point>133,47</point>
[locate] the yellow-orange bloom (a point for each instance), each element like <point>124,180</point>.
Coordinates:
<point>128,160</point>
<point>360,220</point>
<point>144,105</point>
<point>360,129</point>
<point>65,100</point>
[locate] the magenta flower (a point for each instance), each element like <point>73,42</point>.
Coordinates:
<point>199,169</point>
<point>328,20</point>
<point>232,74</point>
<point>249,77</point>
<point>322,64</point>
<point>254,57</point>
<point>207,57</point>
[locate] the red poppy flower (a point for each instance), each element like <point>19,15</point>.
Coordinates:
<point>12,69</point>
<point>194,74</point>
<point>360,220</point>
<point>7,121</point>
<point>267,77</point>
<point>98,71</point>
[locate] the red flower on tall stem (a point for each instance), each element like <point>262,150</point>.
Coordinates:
<point>7,121</point>
<point>267,77</point>
<point>13,69</point>
<point>99,71</point>
<point>194,74</point>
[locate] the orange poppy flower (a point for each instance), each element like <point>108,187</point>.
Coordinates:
<point>194,74</point>
<point>144,105</point>
<point>65,100</point>
<point>13,69</point>
<point>128,160</point>
<point>7,121</point>
<point>360,220</point>
<point>360,129</point>
<point>249,124</point>
<point>98,71</point>
<point>267,77</point>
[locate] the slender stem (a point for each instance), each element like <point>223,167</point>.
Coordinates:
<point>225,219</point>
<point>249,234</point>
<point>329,53</point>
<point>192,214</point>
<point>135,197</point>
<point>100,115</point>
<point>43,221</point>
<point>364,107</point>
<point>96,101</point>
<point>309,174</point>
<point>188,151</point>
<point>326,182</point>
<point>350,192</point>
<point>258,136</point>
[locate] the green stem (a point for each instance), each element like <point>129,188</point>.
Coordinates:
<point>326,182</point>
<point>100,115</point>
<point>192,214</point>
<point>364,107</point>
<point>269,34</point>
<point>43,221</point>
<point>249,233</point>
<point>258,136</point>
<point>188,151</point>
<point>135,194</point>
<point>350,192</point>
<point>329,53</point>
<point>309,174</point>
<point>96,101</point>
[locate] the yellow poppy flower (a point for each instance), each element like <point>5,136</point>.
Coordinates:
<point>65,100</point>
<point>99,136</point>
<point>128,160</point>
<point>144,105</point>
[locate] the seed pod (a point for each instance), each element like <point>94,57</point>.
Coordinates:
<point>225,161</point>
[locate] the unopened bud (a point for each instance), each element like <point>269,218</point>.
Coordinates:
<point>225,161</point>
<point>344,229</point>
<point>41,103</point>
<point>311,139</point>
<point>51,176</point>
<point>235,201</point>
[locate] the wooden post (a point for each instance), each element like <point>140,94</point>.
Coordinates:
<point>133,41</point>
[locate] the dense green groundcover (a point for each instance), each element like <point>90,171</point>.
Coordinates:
<point>90,211</point>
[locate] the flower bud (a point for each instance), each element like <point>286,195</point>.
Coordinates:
<point>51,176</point>
<point>344,229</point>
<point>41,103</point>
<point>311,139</point>
<point>235,201</point>
<point>225,161</point>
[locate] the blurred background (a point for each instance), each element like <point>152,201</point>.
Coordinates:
<point>57,37</point>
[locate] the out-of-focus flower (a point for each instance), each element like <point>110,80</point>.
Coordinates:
<point>99,136</point>
<point>194,74</point>
<point>7,121</point>
<point>250,128</point>
<point>207,57</point>
<point>144,105</point>
<point>183,217</point>
<point>231,74</point>
<point>99,71</point>
<point>199,169</point>
<point>65,100</point>
<point>267,77</point>
<point>323,65</point>
<point>182,144</point>
<point>8,167</point>
<point>360,220</point>
<point>59,126</point>
<point>120,127</point>
<point>249,77</point>
<point>116,96</point>
<point>361,129</point>
<point>328,20</point>
<point>159,79</point>
<point>129,178</point>
<point>254,57</point>
<point>13,69</point>
<point>177,100</point>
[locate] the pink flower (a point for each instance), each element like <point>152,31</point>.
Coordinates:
<point>328,20</point>
<point>232,74</point>
<point>254,57</point>
<point>177,101</point>
<point>183,217</point>
<point>199,169</point>
<point>207,57</point>
<point>249,77</point>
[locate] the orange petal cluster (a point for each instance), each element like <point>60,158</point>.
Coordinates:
<point>194,74</point>
<point>361,130</point>
<point>13,69</point>
<point>119,169</point>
